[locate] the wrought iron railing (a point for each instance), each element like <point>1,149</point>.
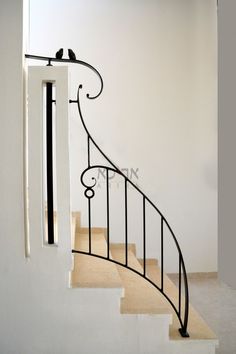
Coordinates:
<point>181,307</point>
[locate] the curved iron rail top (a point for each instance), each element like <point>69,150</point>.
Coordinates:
<point>89,194</point>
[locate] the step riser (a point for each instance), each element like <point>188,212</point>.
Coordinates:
<point>178,348</point>
<point>153,332</point>
<point>191,347</point>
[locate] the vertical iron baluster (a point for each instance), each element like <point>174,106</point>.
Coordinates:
<point>180,285</point>
<point>108,216</point>
<point>49,152</point>
<point>126,226</point>
<point>144,237</point>
<point>184,332</point>
<point>162,256</point>
<point>88,144</point>
<point>89,202</point>
<point>89,222</point>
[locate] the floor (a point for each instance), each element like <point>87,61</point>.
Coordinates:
<point>216,302</point>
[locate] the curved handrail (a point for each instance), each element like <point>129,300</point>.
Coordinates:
<point>80,62</point>
<point>89,193</point>
<point>138,273</point>
<point>183,323</point>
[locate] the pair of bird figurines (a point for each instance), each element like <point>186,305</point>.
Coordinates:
<point>71,54</point>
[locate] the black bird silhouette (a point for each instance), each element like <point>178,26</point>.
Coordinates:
<point>59,53</point>
<point>71,54</point>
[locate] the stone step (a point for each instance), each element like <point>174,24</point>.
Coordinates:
<point>91,271</point>
<point>197,327</point>
<point>140,297</point>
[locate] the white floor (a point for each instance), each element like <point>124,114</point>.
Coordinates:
<point>216,302</point>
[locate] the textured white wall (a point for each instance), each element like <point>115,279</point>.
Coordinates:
<point>158,111</point>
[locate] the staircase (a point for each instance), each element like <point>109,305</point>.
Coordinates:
<point>140,309</point>
<point>155,324</point>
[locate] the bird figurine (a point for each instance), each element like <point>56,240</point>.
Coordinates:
<point>71,54</point>
<point>59,54</point>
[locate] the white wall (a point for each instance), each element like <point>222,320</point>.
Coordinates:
<point>158,111</point>
<point>11,132</point>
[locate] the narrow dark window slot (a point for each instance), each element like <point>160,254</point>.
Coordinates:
<point>49,163</point>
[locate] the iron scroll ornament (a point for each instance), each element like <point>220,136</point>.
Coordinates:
<point>80,62</point>
<point>90,193</point>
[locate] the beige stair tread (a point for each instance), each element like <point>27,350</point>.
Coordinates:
<point>149,261</point>
<point>98,243</point>
<point>197,327</point>
<point>90,271</point>
<point>121,248</point>
<point>140,297</point>
<point>95,230</point>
